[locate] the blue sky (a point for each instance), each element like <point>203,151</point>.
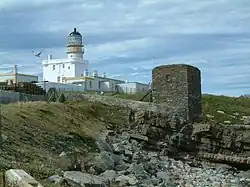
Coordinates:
<point>127,38</point>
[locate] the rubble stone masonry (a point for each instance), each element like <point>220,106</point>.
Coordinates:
<point>178,85</point>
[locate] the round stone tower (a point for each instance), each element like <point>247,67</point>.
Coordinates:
<point>75,46</point>
<point>179,85</point>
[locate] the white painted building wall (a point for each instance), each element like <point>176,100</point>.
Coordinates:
<point>4,78</point>
<point>132,87</point>
<point>55,69</point>
<point>61,86</point>
<point>26,78</point>
<point>96,83</point>
<point>20,78</point>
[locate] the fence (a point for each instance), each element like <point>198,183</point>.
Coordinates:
<point>9,97</point>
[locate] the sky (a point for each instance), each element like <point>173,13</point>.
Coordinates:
<point>128,38</point>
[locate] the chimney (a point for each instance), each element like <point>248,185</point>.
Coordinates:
<point>49,57</point>
<point>86,73</point>
<point>104,75</point>
<point>95,74</point>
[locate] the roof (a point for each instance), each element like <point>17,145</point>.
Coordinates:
<point>75,33</point>
<point>12,74</point>
<point>136,83</point>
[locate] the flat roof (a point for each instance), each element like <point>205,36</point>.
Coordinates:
<point>12,74</point>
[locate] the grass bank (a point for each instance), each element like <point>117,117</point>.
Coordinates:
<point>34,134</point>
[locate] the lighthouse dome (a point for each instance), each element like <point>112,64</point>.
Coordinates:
<point>75,33</point>
<point>75,38</point>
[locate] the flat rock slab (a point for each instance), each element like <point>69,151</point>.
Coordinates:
<point>79,179</point>
<point>139,137</point>
<point>19,178</point>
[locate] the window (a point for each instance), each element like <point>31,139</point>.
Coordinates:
<point>54,67</point>
<point>58,79</point>
<point>63,65</point>
<point>90,84</point>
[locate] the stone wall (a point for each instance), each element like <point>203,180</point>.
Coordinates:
<point>167,129</point>
<point>171,111</point>
<point>178,85</point>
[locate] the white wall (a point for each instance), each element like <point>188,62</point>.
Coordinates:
<point>132,87</point>
<point>4,78</point>
<point>128,88</point>
<point>26,78</point>
<point>60,86</point>
<point>80,68</point>
<point>63,68</point>
<point>102,84</point>
<point>20,78</point>
<point>53,70</point>
<point>142,87</point>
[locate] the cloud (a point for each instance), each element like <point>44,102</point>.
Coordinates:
<point>128,38</point>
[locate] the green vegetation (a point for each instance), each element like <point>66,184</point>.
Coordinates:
<point>36,133</point>
<point>234,107</point>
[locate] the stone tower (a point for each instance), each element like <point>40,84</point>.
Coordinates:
<point>179,85</point>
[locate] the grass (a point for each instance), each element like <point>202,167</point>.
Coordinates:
<point>37,132</point>
<point>234,107</point>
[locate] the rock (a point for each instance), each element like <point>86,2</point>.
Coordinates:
<point>137,169</point>
<point>102,144</point>
<point>135,161</point>
<point>3,137</point>
<point>56,179</point>
<point>128,153</point>
<point>124,180</point>
<point>104,162</point>
<point>246,120</point>
<point>162,175</point>
<point>227,122</point>
<point>19,178</point>
<point>109,174</point>
<point>79,179</point>
<point>220,112</point>
<point>139,137</point>
<point>209,116</point>
<point>62,154</point>
<point>118,148</point>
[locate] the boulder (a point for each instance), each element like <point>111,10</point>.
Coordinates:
<point>79,179</point>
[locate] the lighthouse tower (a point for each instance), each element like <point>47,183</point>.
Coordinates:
<point>75,46</point>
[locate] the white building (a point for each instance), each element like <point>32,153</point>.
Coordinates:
<point>16,77</point>
<point>132,87</point>
<point>75,70</point>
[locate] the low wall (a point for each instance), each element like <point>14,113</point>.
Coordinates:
<point>133,105</point>
<point>9,97</point>
<point>61,87</point>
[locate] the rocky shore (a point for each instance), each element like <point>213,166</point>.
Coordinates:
<point>127,160</point>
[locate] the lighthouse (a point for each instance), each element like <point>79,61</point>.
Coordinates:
<point>75,46</point>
